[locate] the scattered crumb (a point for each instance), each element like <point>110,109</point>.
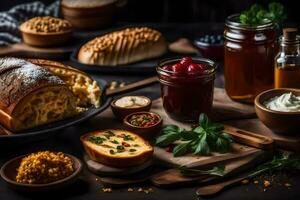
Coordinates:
<point>267,183</point>
<point>265,189</point>
<point>245,181</point>
<point>140,190</point>
<point>130,189</point>
<point>106,190</point>
<point>255,182</point>
<point>288,185</point>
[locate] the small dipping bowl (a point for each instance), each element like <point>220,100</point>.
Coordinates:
<point>208,50</point>
<point>9,172</point>
<point>121,112</point>
<point>148,132</point>
<point>277,121</point>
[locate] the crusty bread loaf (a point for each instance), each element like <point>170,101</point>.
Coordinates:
<point>31,96</point>
<point>123,47</point>
<point>85,89</point>
<point>117,148</point>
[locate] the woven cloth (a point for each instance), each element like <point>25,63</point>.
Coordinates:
<point>11,19</point>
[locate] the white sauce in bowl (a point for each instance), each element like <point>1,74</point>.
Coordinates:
<point>132,102</point>
<point>287,102</point>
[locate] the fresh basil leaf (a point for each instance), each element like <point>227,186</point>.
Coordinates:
<point>215,127</point>
<point>167,139</point>
<point>171,128</point>
<point>202,146</point>
<point>222,145</point>
<point>198,130</point>
<point>188,135</point>
<point>181,149</point>
<point>203,120</point>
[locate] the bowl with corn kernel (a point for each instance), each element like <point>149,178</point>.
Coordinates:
<point>44,170</point>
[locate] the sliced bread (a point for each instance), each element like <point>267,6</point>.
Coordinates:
<point>117,148</point>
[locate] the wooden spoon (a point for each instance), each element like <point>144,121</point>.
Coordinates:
<point>215,188</point>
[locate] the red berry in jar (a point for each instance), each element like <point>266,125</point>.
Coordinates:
<point>178,68</point>
<point>202,66</point>
<point>185,61</point>
<point>194,68</point>
<point>167,67</point>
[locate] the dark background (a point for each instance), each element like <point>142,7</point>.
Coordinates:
<point>182,10</point>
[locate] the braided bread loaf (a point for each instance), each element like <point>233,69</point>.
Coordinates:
<point>31,95</point>
<point>123,47</point>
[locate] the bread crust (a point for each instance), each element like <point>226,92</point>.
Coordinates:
<point>116,161</point>
<point>123,47</point>
<point>20,79</point>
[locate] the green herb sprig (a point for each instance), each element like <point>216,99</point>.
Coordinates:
<point>279,162</point>
<point>257,15</point>
<point>215,171</point>
<point>207,137</point>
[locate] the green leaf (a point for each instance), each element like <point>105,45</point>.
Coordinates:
<point>202,146</point>
<point>171,128</point>
<point>215,127</point>
<point>188,135</point>
<point>167,139</point>
<point>203,120</point>
<point>216,171</point>
<point>181,149</point>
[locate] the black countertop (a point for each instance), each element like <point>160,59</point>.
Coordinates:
<point>87,187</point>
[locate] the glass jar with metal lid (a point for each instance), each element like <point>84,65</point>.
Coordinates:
<point>248,58</point>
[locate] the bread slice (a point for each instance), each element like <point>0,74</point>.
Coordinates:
<point>117,148</point>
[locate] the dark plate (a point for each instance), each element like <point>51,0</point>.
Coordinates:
<point>9,172</point>
<point>142,67</point>
<point>49,129</point>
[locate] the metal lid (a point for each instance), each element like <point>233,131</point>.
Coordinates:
<point>233,21</point>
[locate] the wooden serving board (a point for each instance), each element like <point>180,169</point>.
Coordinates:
<point>26,51</point>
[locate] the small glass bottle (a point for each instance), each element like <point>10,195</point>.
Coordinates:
<point>287,61</point>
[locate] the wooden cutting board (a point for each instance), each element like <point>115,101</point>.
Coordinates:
<point>165,158</point>
<point>26,51</point>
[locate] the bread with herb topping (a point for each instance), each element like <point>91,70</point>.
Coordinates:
<point>117,148</point>
<point>123,47</point>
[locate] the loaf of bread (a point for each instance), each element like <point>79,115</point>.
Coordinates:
<point>31,96</point>
<point>117,148</point>
<point>85,89</point>
<point>123,47</point>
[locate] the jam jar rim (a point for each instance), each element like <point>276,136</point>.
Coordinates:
<point>231,22</point>
<point>210,72</point>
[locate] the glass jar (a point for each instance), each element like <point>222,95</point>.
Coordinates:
<point>287,61</point>
<point>249,53</point>
<point>185,96</point>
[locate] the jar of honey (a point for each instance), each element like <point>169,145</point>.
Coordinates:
<point>248,58</point>
<point>287,61</point>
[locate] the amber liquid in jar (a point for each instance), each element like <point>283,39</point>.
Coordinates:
<point>289,77</point>
<point>248,59</point>
<point>287,61</point>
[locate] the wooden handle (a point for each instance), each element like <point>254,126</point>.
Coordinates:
<point>215,188</point>
<point>6,51</point>
<point>249,138</point>
<point>132,86</point>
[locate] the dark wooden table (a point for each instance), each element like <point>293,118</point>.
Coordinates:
<point>87,187</point>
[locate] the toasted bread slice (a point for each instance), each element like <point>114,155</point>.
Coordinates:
<point>117,148</point>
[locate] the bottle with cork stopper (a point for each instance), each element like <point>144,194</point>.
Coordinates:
<point>287,61</point>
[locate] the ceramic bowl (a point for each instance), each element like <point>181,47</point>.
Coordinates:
<point>9,172</point>
<point>90,17</point>
<point>121,112</point>
<point>147,133</point>
<point>46,39</point>
<point>211,51</point>
<point>277,121</point>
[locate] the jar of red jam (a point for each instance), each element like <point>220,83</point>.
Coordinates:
<point>249,58</point>
<point>187,87</point>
